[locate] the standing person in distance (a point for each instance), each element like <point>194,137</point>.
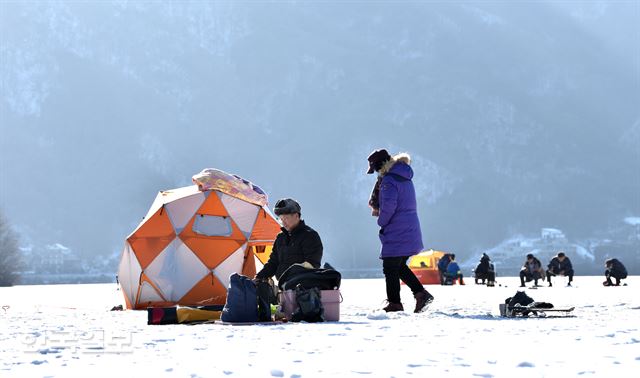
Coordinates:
<point>400,233</point>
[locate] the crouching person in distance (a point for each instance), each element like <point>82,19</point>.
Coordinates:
<point>560,266</point>
<point>297,243</point>
<point>400,232</point>
<point>616,270</point>
<point>531,270</point>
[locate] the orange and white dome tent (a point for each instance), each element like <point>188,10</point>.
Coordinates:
<point>193,239</point>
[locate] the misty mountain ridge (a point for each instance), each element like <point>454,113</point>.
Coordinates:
<point>513,125</point>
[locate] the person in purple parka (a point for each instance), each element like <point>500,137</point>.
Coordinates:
<point>394,198</point>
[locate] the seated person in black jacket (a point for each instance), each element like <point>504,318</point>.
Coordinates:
<point>485,270</point>
<point>296,244</point>
<point>560,265</point>
<point>616,270</point>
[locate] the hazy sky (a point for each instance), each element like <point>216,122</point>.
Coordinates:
<point>517,116</point>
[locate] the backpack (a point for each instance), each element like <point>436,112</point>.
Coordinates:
<point>309,305</point>
<point>520,298</point>
<point>322,278</point>
<point>242,302</point>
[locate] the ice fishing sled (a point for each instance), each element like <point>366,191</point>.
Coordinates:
<point>527,311</point>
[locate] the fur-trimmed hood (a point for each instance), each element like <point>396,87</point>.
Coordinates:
<point>402,158</point>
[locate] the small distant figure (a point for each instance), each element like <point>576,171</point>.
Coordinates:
<point>616,270</point>
<point>531,271</point>
<point>485,271</point>
<point>453,272</point>
<point>560,266</point>
<point>442,267</point>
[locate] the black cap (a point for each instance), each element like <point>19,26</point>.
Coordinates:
<point>377,159</point>
<point>560,254</point>
<point>287,206</point>
<point>530,256</point>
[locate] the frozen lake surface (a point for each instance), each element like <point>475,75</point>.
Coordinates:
<point>67,331</point>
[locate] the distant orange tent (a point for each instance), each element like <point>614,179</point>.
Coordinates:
<point>425,266</point>
<point>193,238</point>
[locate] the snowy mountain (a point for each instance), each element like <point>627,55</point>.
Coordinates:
<point>513,124</point>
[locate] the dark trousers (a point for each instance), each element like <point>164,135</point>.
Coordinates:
<point>555,273</point>
<point>442,277</point>
<point>528,276</point>
<point>264,292</point>
<point>608,273</point>
<point>491,276</point>
<point>396,269</point>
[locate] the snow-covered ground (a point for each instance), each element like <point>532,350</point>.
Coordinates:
<point>67,330</point>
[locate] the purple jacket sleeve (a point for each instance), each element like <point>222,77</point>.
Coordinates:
<point>388,202</point>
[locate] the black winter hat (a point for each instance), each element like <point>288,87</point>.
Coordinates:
<point>287,206</point>
<point>377,159</point>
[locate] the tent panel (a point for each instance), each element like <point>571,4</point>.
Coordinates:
<point>150,239</point>
<point>155,206</point>
<point>149,294</point>
<point>178,193</point>
<point>212,206</point>
<point>266,228</point>
<point>176,270</point>
<point>212,252</point>
<point>242,212</point>
<point>182,210</point>
<point>232,264</point>
<point>212,225</point>
<point>129,274</point>
<point>259,264</point>
<point>208,291</point>
<point>249,265</point>
<point>263,252</point>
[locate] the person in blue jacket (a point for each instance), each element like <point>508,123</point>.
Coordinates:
<point>453,271</point>
<point>400,232</point>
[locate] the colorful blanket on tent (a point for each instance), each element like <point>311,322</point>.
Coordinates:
<point>233,185</point>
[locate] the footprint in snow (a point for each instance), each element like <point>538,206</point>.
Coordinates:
<point>526,364</point>
<point>277,373</point>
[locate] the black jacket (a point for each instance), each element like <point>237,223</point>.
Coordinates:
<point>616,267</point>
<point>555,266</point>
<point>485,265</point>
<point>301,244</point>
